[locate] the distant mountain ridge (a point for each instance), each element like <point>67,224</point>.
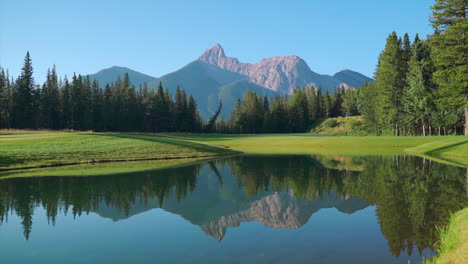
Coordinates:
<point>214,76</point>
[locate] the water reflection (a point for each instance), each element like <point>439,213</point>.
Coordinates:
<point>412,195</point>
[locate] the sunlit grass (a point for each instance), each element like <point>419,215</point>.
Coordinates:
<point>33,149</point>
<point>452,247</point>
<point>450,150</point>
<point>101,169</point>
<point>311,144</point>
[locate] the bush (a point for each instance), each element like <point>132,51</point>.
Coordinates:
<point>329,123</point>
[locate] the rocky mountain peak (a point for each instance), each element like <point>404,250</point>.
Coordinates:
<point>213,55</point>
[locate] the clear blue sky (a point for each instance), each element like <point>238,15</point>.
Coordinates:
<point>158,37</point>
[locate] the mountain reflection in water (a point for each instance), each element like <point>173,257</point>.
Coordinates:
<point>412,195</point>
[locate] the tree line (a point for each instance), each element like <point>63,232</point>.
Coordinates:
<point>283,114</point>
<point>80,104</point>
<point>420,88</point>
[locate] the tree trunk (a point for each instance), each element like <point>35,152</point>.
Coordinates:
<point>466,120</point>
<point>423,130</point>
<point>439,131</point>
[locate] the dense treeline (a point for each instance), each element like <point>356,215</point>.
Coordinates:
<point>80,104</point>
<point>420,88</point>
<point>254,114</point>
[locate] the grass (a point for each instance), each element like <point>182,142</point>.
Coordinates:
<point>312,144</point>
<point>100,169</point>
<point>452,150</point>
<point>32,150</point>
<point>21,150</point>
<point>453,243</point>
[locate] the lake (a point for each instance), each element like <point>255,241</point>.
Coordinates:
<point>242,209</point>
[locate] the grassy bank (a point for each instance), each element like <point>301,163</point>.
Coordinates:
<point>312,144</point>
<point>453,242</point>
<point>109,151</point>
<point>450,150</point>
<point>21,150</point>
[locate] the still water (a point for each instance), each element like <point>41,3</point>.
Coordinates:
<point>244,209</point>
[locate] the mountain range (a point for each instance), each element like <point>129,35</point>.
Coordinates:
<point>214,76</point>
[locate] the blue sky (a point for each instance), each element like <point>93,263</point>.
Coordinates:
<point>158,37</point>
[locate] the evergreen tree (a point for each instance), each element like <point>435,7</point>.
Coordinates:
<point>327,105</point>
<point>390,82</point>
<point>317,107</point>
<point>97,107</point>
<point>337,101</point>
<point>3,99</point>
<point>298,111</point>
<point>24,112</point>
<point>65,107</point>
<point>449,52</point>
<point>350,103</point>
<point>50,101</point>
<point>161,110</point>
<point>368,105</point>
<point>418,101</point>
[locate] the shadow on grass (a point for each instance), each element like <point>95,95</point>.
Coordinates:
<point>176,141</point>
<point>441,149</point>
<point>6,161</point>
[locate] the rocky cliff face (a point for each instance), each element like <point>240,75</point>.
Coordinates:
<point>281,74</point>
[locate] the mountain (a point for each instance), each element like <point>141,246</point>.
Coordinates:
<point>214,77</point>
<point>280,74</point>
<point>352,78</point>
<point>111,74</point>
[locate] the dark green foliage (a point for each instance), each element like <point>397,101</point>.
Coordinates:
<point>83,105</point>
<point>296,114</point>
<point>5,100</point>
<point>422,88</point>
<point>24,113</point>
<point>449,52</point>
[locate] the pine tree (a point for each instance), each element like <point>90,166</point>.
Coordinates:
<point>97,107</point>
<point>278,115</point>
<point>319,108</point>
<point>327,105</point>
<point>298,111</point>
<point>161,114</point>
<point>390,81</point>
<point>193,119</point>
<point>50,101</point>
<point>449,52</point>
<point>24,112</point>
<point>367,105</point>
<point>65,107</point>
<point>3,99</point>
<point>418,101</point>
<point>350,102</point>
<point>337,101</point>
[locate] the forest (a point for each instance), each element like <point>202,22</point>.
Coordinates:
<point>420,88</point>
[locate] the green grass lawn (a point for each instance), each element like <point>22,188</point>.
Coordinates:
<point>450,150</point>
<point>35,149</point>
<point>22,149</point>
<point>311,144</point>
<point>453,244</point>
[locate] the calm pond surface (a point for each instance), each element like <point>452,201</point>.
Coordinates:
<point>244,209</point>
